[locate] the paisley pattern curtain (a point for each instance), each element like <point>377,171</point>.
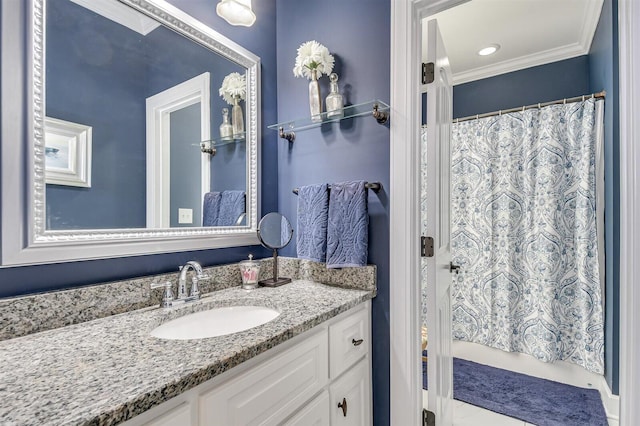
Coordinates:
<point>524,230</point>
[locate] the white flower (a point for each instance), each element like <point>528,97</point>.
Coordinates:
<point>233,86</point>
<point>313,56</point>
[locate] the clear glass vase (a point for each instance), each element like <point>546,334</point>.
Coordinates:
<point>237,119</point>
<point>334,103</point>
<point>226,129</point>
<point>315,100</point>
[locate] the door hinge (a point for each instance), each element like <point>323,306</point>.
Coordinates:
<point>428,418</point>
<point>428,72</point>
<point>426,246</point>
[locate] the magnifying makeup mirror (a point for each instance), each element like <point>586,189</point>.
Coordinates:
<point>275,232</point>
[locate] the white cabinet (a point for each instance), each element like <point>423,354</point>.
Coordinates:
<point>351,397</point>
<point>180,415</point>
<point>272,391</point>
<point>315,413</point>
<point>299,382</point>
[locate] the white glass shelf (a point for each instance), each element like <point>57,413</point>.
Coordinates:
<point>375,108</point>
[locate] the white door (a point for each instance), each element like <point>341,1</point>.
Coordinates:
<point>158,115</point>
<point>439,117</point>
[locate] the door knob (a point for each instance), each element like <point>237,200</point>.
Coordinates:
<point>357,342</point>
<point>454,268</point>
<point>343,405</point>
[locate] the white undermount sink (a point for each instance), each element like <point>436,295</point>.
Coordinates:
<point>215,322</point>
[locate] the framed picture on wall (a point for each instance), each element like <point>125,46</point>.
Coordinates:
<point>67,153</point>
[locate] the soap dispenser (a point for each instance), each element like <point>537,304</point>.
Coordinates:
<point>250,271</point>
<point>334,102</point>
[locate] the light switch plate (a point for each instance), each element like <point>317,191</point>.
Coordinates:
<point>185,216</point>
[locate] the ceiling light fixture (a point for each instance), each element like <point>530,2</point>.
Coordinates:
<point>236,12</point>
<point>489,50</point>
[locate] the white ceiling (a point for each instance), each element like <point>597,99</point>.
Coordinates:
<point>530,33</point>
<point>121,14</point>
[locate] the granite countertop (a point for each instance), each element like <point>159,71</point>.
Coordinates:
<point>108,370</point>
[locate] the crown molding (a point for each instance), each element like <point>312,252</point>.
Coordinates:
<point>568,51</point>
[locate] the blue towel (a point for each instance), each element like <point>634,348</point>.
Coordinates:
<point>313,209</point>
<point>285,231</point>
<point>348,227</point>
<point>210,209</point>
<point>231,207</point>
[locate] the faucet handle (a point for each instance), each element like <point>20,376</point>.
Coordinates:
<point>195,291</point>
<point>167,297</point>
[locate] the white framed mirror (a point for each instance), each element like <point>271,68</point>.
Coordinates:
<point>143,78</point>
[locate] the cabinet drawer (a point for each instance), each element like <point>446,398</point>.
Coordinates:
<point>351,397</point>
<point>348,341</point>
<point>272,391</point>
<point>315,413</point>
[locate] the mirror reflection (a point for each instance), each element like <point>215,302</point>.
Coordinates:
<point>275,232</point>
<point>128,104</point>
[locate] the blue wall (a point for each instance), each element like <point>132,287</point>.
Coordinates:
<point>184,167</point>
<point>84,64</point>
<point>259,39</point>
<point>86,60</point>
<point>357,35</point>
<point>544,83</point>
<point>603,64</point>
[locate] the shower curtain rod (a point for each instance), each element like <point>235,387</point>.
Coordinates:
<point>522,108</point>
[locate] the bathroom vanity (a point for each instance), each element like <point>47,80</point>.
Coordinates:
<point>310,364</point>
<point>321,377</point>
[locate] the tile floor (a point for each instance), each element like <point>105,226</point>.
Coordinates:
<point>469,415</point>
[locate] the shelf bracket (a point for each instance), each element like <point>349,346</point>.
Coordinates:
<point>381,116</point>
<point>290,136</point>
<point>206,148</point>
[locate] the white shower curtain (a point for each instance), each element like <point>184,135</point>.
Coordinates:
<point>526,229</point>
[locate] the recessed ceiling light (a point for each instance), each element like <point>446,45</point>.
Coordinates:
<point>489,50</point>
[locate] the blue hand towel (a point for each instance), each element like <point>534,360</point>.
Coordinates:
<point>348,227</point>
<point>285,231</point>
<point>313,208</point>
<point>210,209</point>
<point>231,207</point>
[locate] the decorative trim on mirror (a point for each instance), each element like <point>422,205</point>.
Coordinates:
<point>25,239</point>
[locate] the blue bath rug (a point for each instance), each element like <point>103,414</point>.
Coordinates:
<point>533,400</point>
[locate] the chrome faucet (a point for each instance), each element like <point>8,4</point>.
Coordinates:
<point>168,299</point>
<point>182,281</point>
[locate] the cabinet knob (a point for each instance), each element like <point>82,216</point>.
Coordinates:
<point>357,342</point>
<point>343,405</point>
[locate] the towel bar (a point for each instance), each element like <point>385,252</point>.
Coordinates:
<point>375,186</point>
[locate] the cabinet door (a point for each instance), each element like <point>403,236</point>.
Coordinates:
<point>351,397</point>
<point>315,413</point>
<point>272,391</point>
